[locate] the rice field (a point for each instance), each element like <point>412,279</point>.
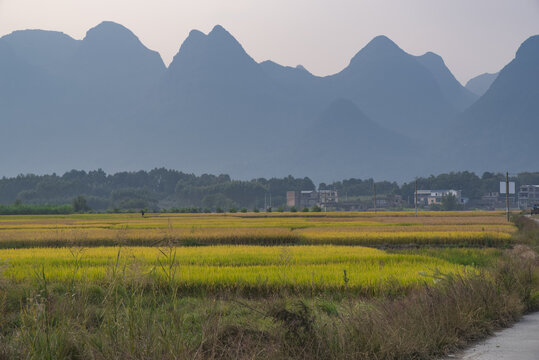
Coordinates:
<point>228,286</point>
<point>245,269</point>
<point>361,228</point>
<point>246,253</point>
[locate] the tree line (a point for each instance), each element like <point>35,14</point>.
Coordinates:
<point>171,189</point>
<point>158,188</point>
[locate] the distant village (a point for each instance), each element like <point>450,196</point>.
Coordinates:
<point>526,197</point>
<point>172,190</point>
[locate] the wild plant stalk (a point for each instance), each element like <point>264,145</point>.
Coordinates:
<point>37,312</point>
<point>169,267</point>
<point>77,254</point>
<point>285,258</point>
<point>167,261</point>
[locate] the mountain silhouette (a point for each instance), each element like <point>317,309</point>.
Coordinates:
<point>500,128</point>
<point>457,95</point>
<point>393,88</point>
<point>112,68</point>
<point>72,94</point>
<point>481,83</point>
<point>108,101</point>
<point>214,63</point>
<point>47,50</point>
<point>343,137</point>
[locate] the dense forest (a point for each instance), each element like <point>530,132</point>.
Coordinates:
<point>171,189</point>
<point>155,189</point>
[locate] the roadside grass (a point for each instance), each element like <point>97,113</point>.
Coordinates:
<point>528,231</point>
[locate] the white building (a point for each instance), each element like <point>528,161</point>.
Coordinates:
<point>432,197</point>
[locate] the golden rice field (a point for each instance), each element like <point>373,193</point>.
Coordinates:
<point>252,269</point>
<point>249,253</point>
<point>479,228</point>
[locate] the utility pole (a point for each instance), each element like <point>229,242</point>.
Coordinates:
<point>507,195</point>
<point>374,190</point>
<point>415,198</point>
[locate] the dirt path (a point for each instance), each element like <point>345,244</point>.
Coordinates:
<point>521,342</point>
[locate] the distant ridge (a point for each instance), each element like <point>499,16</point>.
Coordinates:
<point>502,126</point>
<point>481,83</point>
<point>343,134</point>
<point>393,88</point>
<point>458,96</point>
<point>107,101</point>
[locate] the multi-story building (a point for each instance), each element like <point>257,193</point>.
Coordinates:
<point>490,201</point>
<point>528,196</point>
<point>389,201</point>
<point>422,197</point>
<point>495,201</point>
<point>432,197</point>
<point>310,198</point>
<point>327,197</point>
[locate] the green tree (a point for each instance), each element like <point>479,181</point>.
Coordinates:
<point>450,202</point>
<point>80,204</point>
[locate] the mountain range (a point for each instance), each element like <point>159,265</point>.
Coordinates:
<point>109,102</point>
<point>501,127</point>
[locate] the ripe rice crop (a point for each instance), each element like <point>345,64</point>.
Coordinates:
<point>247,269</point>
<point>468,238</point>
<point>368,228</point>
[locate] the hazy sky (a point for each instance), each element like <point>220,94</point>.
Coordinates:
<point>473,36</point>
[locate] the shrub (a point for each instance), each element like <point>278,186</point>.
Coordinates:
<point>35,209</point>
